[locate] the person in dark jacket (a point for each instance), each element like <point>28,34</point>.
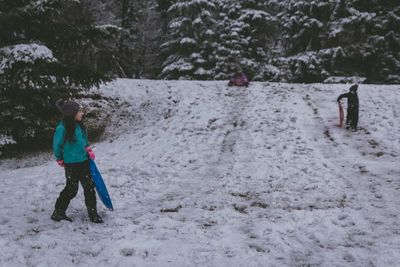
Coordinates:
<point>72,151</point>
<point>352,107</point>
<point>238,78</point>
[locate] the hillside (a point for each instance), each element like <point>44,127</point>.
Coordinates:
<point>202,174</point>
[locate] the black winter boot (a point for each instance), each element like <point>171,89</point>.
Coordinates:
<point>59,215</point>
<point>94,217</point>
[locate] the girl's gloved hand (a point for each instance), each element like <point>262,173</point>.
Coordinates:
<point>90,152</point>
<point>61,163</point>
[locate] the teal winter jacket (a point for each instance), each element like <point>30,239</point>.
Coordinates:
<point>70,152</point>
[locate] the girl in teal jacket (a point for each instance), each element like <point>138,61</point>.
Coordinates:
<point>72,151</point>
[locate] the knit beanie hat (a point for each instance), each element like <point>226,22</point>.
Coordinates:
<point>354,87</point>
<point>68,108</point>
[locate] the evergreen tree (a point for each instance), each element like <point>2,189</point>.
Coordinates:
<point>338,38</point>
<point>138,47</point>
<point>233,39</point>
<point>341,10</point>
<point>188,47</point>
<point>246,32</point>
<point>105,15</point>
<point>44,50</point>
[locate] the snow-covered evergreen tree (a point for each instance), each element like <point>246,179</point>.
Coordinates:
<point>43,57</point>
<point>338,38</point>
<point>246,31</point>
<point>145,38</point>
<point>189,42</point>
<point>233,39</point>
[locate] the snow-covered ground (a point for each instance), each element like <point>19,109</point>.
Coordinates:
<point>210,175</point>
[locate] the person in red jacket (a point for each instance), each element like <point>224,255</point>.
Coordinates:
<point>238,78</point>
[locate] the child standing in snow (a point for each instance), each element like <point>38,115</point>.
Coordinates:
<point>239,78</point>
<point>352,107</point>
<point>72,151</point>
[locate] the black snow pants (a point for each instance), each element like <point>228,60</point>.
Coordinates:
<point>352,117</point>
<point>75,173</point>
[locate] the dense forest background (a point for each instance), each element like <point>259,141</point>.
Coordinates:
<point>51,49</point>
<point>289,40</point>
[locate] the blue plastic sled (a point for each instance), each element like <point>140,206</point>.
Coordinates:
<point>100,186</point>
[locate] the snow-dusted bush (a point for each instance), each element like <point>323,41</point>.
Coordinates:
<point>307,67</point>
<point>345,79</point>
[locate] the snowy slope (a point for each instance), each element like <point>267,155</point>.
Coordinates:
<point>221,176</point>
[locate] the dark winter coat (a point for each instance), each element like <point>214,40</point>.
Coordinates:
<point>352,100</point>
<point>352,108</point>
